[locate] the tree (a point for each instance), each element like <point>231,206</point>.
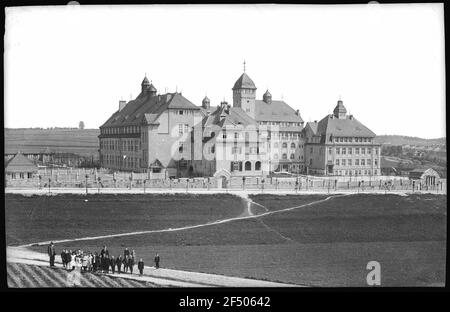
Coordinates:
<point>81,125</point>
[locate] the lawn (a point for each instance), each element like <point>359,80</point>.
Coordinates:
<point>40,218</point>
<point>324,244</point>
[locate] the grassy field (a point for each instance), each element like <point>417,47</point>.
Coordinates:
<point>40,218</point>
<point>324,244</point>
<point>81,142</point>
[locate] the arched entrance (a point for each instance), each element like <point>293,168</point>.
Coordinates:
<point>222,176</point>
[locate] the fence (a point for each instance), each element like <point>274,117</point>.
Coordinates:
<point>88,178</point>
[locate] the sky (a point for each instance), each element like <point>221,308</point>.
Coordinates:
<point>64,64</point>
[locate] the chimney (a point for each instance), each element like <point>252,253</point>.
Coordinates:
<point>350,117</point>
<point>297,112</point>
<point>122,104</point>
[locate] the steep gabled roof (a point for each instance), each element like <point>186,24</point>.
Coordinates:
<point>146,108</point>
<point>349,126</point>
<point>275,111</point>
<point>222,116</point>
<point>19,163</point>
<point>312,126</point>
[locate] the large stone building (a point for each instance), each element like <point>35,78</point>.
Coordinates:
<point>150,133</point>
<point>169,136</point>
<point>340,145</point>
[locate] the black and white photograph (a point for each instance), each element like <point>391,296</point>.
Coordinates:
<point>195,146</point>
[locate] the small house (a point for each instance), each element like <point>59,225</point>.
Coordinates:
<point>425,176</point>
<point>20,167</point>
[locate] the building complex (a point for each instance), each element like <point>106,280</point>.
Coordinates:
<point>169,136</point>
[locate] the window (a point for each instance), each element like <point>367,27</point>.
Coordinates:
<point>284,145</point>
<point>338,150</point>
<point>363,150</point>
<point>180,129</point>
<point>330,150</point>
<point>275,156</point>
<point>292,145</point>
<point>311,150</point>
<point>369,150</point>
<point>284,156</point>
<point>236,150</point>
<point>186,128</point>
<point>357,150</point>
<point>341,139</point>
<point>236,135</point>
<point>349,162</point>
<point>369,161</point>
<point>344,151</point>
<point>258,165</point>
<point>292,156</point>
<point>363,162</point>
<point>350,150</point>
<point>236,166</point>
<point>248,166</point>
<point>345,139</point>
<point>180,112</point>
<point>343,162</point>
<point>376,163</point>
<point>337,162</point>
<point>356,162</point>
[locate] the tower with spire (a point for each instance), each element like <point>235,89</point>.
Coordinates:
<point>206,103</point>
<point>147,86</point>
<point>244,94</point>
<point>340,111</point>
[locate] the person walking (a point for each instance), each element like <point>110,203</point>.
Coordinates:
<point>95,262</point>
<point>104,251</point>
<point>130,264</point>
<point>69,260</point>
<point>51,253</point>
<point>119,263</point>
<point>112,263</point>
<point>63,258</point>
<point>157,259</point>
<point>141,266</point>
<point>125,264</point>
<point>126,252</point>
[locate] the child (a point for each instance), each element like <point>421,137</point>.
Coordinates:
<point>141,266</point>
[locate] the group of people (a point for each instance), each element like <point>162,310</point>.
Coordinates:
<point>101,262</point>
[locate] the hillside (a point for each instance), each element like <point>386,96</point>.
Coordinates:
<point>81,142</point>
<point>407,140</point>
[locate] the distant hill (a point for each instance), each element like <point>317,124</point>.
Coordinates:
<point>81,142</point>
<point>407,140</point>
